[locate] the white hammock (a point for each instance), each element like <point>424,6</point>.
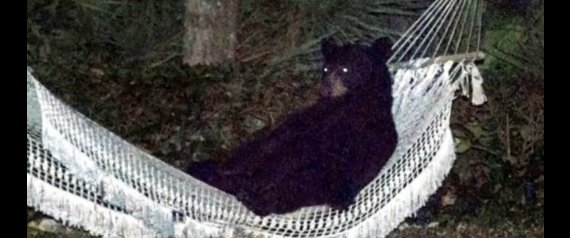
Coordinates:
<point>84,175</point>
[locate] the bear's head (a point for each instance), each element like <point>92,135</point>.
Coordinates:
<point>351,67</point>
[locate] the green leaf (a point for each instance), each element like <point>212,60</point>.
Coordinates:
<point>476,129</point>
<point>462,145</point>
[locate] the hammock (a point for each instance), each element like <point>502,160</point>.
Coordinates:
<point>85,176</point>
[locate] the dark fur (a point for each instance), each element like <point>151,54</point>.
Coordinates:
<point>324,154</point>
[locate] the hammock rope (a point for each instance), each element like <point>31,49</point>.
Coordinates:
<point>448,21</point>
<point>86,176</point>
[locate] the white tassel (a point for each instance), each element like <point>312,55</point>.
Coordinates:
<point>149,217</point>
<point>478,94</point>
<point>464,80</point>
<point>447,67</point>
<point>78,212</point>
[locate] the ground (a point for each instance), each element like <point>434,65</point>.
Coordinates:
<point>92,58</point>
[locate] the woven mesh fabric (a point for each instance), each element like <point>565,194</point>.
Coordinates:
<point>86,176</point>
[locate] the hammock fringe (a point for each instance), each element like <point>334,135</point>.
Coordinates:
<point>87,177</point>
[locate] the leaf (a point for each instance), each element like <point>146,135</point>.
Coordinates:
<point>392,11</point>
<point>448,199</point>
<point>462,145</point>
<point>476,129</point>
<point>497,188</point>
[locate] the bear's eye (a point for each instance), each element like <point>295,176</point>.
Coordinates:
<point>326,69</point>
<point>344,70</point>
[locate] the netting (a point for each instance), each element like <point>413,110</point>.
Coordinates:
<point>84,175</point>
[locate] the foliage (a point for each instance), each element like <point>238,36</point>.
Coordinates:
<point>119,63</point>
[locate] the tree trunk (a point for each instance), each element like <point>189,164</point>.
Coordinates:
<point>210,31</point>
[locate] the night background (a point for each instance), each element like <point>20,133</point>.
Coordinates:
<point>124,65</point>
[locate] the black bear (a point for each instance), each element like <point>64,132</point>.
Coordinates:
<point>326,153</point>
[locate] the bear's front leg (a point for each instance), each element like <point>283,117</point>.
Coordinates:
<point>343,191</point>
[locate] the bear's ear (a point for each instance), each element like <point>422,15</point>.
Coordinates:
<point>328,47</point>
<point>381,48</point>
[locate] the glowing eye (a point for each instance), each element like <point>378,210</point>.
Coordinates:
<point>326,69</point>
<point>344,70</point>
